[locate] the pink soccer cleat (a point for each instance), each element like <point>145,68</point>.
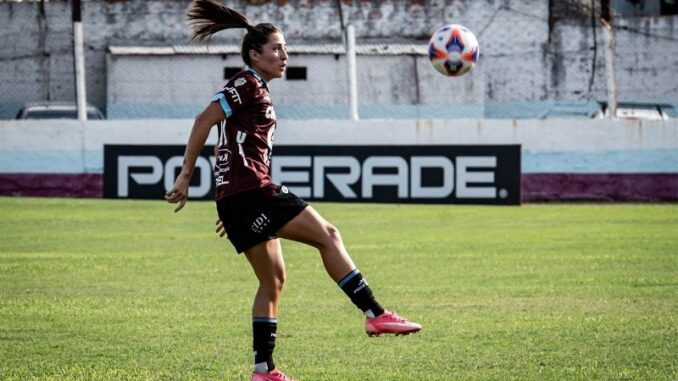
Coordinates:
<point>390,322</point>
<point>274,375</point>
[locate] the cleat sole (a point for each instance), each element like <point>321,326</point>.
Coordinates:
<point>405,333</point>
<point>377,334</point>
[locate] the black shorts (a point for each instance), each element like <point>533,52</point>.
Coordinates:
<point>256,215</point>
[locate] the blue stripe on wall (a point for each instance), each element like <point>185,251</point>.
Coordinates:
<point>155,110</point>
<point>488,110</point>
<point>51,161</point>
<point>613,161</point>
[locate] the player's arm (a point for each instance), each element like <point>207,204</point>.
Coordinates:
<point>212,115</point>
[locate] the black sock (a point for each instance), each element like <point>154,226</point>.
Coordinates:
<point>356,287</point>
<point>264,333</point>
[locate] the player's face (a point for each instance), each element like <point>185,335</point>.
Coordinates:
<point>272,60</point>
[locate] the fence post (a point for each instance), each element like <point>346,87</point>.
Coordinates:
<point>352,76</point>
<point>608,36</point>
<point>79,61</point>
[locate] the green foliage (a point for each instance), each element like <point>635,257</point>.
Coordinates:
<point>95,290</point>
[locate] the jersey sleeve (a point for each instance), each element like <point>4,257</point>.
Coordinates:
<point>238,93</point>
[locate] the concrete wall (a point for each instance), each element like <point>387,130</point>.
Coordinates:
<point>523,58</point>
<point>561,159</point>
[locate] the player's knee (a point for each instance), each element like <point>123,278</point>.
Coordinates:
<point>273,292</point>
<point>279,283</point>
<point>334,234</point>
<point>274,286</point>
<point>332,237</point>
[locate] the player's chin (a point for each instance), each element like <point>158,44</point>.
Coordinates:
<point>277,73</point>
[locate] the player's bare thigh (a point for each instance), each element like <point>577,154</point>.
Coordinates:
<point>311,228</point>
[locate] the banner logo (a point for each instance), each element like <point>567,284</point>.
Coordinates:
<point>404,174</point>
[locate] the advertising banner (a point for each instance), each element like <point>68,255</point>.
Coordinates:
<point>483,174</point>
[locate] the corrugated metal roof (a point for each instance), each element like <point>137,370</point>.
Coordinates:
<point>141,50</point>
<point>384,49</point>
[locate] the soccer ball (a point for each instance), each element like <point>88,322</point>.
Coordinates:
<point>453,50</point>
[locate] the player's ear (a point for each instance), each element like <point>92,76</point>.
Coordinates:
<point>254,55</point>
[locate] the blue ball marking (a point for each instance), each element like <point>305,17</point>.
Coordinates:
<point>454,45</point>
<point>431,52</point>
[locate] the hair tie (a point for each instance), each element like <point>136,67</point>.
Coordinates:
<point>249,28</point>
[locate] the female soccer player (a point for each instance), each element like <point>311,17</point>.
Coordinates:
<point>254,212</point>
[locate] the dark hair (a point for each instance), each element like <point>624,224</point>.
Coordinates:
<point>208,17</point>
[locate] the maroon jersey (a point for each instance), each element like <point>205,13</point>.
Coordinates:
<point>245,137</point>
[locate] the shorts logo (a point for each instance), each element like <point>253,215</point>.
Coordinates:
<point>260,223</point>
<point>283,189</point>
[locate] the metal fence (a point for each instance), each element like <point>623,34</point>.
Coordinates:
<point>36,54</point>
<point>538,60</point>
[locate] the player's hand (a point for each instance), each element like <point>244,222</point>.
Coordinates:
<point>178,193</point>
<point>220,229</point>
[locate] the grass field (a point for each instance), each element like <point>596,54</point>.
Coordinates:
<point>97,290</point>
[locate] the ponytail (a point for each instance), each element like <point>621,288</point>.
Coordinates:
<point>208,17</point>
